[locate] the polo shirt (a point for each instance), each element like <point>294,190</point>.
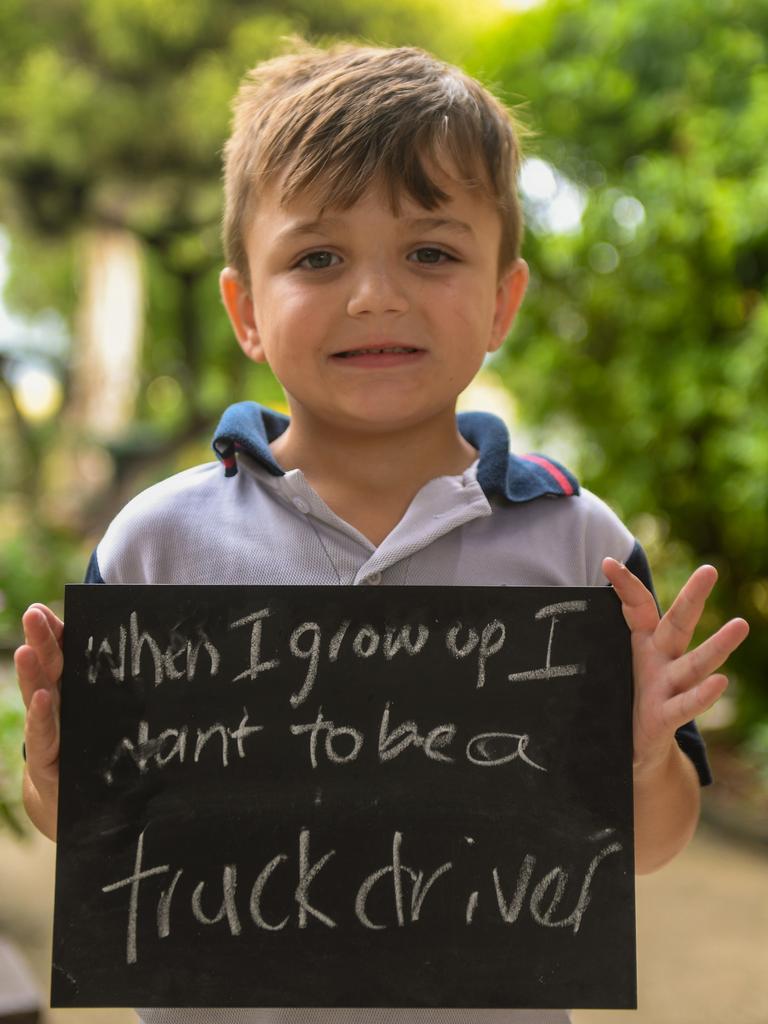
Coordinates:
<point>507,520</point>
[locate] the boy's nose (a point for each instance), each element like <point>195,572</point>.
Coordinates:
<point>376,291</point>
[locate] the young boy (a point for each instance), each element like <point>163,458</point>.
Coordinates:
<point>372,235</point>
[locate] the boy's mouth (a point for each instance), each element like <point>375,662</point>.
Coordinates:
<point>377,351</point>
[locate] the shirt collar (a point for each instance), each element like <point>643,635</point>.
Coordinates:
<point>249,427</point>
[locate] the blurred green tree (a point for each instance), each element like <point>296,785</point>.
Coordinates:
<point>641,344</point>
<point>644,338</point>
<point>112,118</point>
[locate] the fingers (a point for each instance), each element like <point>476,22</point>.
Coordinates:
<point>710,655</point>
<point>44,633</point>
<point>678,625</point>
<point>29,673</point>
<point>41,777</point>
<point>673,633</point>
<point>40,661</point>
<point>637,602</point>
<point>55,623</point>
<point>694,702</point>
<point>39,664</point>
<point>41,740</point>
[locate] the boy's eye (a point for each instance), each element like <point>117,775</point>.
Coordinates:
<point>429,254</point>
<point>319,260</point>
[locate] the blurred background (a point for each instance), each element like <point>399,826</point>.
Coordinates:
<point>640,357</point>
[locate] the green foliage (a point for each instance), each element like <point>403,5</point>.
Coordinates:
<point>35,563</point>
<point>11,736</point>
<point>644,335</point>
<point>641,347</point>
<point>116,110</point>
<point>757,749</point>
<point>114,113</point>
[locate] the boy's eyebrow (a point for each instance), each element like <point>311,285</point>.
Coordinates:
<point>317,227</point>
<point>440,222</point>
<point>307,227</point>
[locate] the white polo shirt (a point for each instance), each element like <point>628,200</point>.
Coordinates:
<point>506,521</point>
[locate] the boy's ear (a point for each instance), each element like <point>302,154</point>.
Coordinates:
<point>509,295</point>
<point>239,305</point>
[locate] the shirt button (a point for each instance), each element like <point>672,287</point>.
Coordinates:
<point>374,579</point>
<point>300,504</point>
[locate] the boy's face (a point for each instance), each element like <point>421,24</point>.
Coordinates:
<point>374,322</point>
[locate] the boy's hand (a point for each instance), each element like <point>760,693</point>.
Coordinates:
<point>39,664</point>
<point>671,686</point>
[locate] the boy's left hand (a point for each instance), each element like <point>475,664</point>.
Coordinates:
<point>672,685</point>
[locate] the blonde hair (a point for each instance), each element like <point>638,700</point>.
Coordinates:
<point>334,121</point>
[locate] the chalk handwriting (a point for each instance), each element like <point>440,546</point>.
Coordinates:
<point>559,877</point>
<point>488,643</point>
<point>397,870</point>
<point>312,653</point>
<point>171,744</point>
<point>228,908</point>
<point>488,749</point>
<point>307,874</point>
<point>479,750</point>
<point>256,666</point>
<point>396,640</point>
<point>340,744</point>
<point>541,897</point>
<point>394,742</point>
<point>378,735</point>
<point>179,661</point>
<point>332,734</point>
<point>550,671</point>
<point>133,652</point>
<point>366,642</point>
<point>134,881</point>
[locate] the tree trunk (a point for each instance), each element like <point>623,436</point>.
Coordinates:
<point>107,350</point>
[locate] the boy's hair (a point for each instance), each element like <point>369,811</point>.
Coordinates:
<point>335,121</point>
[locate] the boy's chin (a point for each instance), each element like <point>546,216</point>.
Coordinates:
<point>372,420</point>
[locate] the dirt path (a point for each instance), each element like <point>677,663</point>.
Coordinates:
<point>702,934</point>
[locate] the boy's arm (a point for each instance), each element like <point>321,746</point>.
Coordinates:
<point>39,663</point>
<point>672,686</point>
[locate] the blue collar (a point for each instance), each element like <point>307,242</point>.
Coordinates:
<point>250,428</point>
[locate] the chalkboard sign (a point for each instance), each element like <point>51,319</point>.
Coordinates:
<point>345,796</point>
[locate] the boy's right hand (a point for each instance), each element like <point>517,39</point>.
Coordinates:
<point>39,663</point>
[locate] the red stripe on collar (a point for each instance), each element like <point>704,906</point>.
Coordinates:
<point>562,480</point>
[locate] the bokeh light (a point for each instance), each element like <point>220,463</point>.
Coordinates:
<point>38,393</point>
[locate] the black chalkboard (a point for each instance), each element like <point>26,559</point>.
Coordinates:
<point>345,796</point>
